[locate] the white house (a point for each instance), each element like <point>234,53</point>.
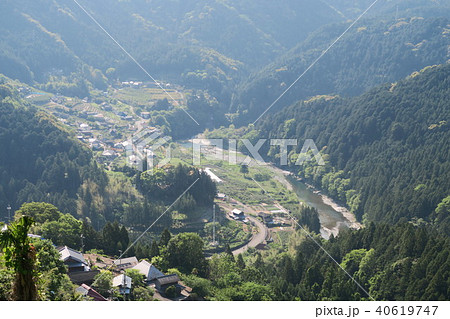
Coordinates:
<point>123,282</point>
<point>237,214</point>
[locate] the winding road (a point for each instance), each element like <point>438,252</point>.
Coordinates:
<point>258,238</point>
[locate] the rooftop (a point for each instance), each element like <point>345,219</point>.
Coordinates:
<point>69,253</point>
<point>148,270</point>
<point>168,279</point>
<point>122,281</point>
<point>126,262</point>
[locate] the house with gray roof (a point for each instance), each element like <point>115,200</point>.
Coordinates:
<point>73,259</point>
<point>125,263</point>
<point>148,270</point>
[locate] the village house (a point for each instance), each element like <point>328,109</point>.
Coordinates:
<point>148,270</point>
<point>73,259</point>
<point>99,117</point>
<point>109,155</point>
<point>237,214</point>
<point>123,282</point>
<point>164,282</point>
<point>267,218</point>
<point>221,196</point>
<point>145,115</point>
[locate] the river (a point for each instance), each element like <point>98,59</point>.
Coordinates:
<point>331,220</point>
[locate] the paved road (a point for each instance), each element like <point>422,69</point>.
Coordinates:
<point>249,213</point>
<point>256,239</point>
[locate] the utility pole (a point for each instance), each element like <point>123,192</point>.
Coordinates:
<point>9,212</point>
<point>214,242</point>
<point>214,224</point>
<point>82,243</point>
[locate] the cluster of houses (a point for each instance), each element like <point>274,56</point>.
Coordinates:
<point>82,269</point>
<point>110,150</point>
<point>131,84</point>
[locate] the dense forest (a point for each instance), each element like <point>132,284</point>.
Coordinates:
<point>401,262</point>
<point>40,161</point>
<point>368,55</point>
<point>386,151</point>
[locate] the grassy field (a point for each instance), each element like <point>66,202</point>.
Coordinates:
<point>239,186</point>
<point>145,96</point>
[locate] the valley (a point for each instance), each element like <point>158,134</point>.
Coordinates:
<point>224,150</point>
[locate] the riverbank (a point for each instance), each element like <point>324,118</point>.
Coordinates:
<point>348,215</point>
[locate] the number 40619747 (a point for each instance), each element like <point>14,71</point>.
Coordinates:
<point>406,310</point>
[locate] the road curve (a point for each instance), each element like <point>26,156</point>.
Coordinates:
<point>256,239</point>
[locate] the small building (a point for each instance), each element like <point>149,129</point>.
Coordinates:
<point>95,144</point>
<point>148,270</point>
<point>211,175</point>
<point>162,283</point>
<point>99,117</point>
<point>123,282</point>
<point>125,263</point>
<point>107,107</point>
<point>73,259</point>
<point>145,115</point>
<point>237,214</point>
<point>85,127</point>
<point>221,196</point>
<point>87,291</point>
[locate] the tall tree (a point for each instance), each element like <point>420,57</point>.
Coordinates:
<point>244,169</point>
<point>185,252</point>
<point>20,255</point>
<point>165,237</point>
<point>229,252</point>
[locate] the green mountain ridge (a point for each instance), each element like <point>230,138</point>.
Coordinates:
<point>40,160</point>
<point>169,38</point>
<point>370,54</point>
<point>387,151</point>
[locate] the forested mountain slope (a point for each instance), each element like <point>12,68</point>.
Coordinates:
<point>39,160</point>
<point>400,8</point>
<point>387,151</point>
<point>371,53</point>
<point>400,262</point>
<point>206,45</point>
<point>185,40</point>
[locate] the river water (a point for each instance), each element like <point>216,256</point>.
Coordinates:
<point>331,221</point>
